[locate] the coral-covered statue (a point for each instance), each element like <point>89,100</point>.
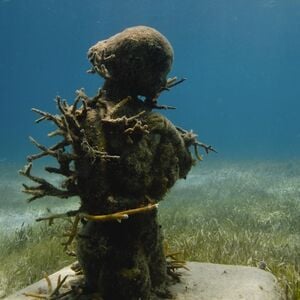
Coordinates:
<point>120,158</point>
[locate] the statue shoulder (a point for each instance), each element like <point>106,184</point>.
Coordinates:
<point>159,123</point>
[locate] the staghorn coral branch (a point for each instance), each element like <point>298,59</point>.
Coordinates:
<point>138,127</point>
<point>51,294</point>
<point>98,64</point>
<point>61,104</point>
<point>81,95</point>
<point>72,234</point>
<point>55,133</point>
<point>101,218</point>
<point>48,116</point>
<point>71,213</point>
<point>191,139</point>
<point>151,102</point>
<point>103,71</point>
<point>163,106</point>
<point>55,151</point>
<point>64,160</point>
<point>94,152</point>
<point>74,106</point>
<point>131,124</point>
<point>91,70</point>
<point>60,283</point>
<point>119,105</point>
<point>207,148</point>
<point>127,121</point>
<point>84,109</point>
<point>123,120</point>
<point>69,117</point>
<point>174,262</point>
<point>154,105</point>
<point>171,82</point>
<point>68,134</point>
<point>46,151</point>
<point>197,154</point>
<point>49,283</point>
<point>68,127</point>
<point>61,170</point>
<point>72,111</point>
<point>36,295</point>
<point>67,123</point>
<point>105,218</point>
<point>44,188</point>
<point>118,215</point>
<point>71,127</point>
<point>107,157</point>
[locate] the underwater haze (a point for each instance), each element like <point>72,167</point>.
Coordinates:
<point>240,58</point>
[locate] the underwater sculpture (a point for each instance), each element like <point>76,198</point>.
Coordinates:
<point>120,158</point>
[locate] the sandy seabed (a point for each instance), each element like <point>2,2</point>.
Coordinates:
<point>216,179</point>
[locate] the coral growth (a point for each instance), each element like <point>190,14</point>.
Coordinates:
<point>120,158</point>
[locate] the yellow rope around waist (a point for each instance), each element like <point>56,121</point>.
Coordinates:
<point>118,215</point>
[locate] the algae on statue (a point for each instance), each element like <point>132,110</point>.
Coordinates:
<point>119,156</point>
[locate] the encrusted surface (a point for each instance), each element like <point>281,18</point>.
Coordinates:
<point>203,282</point>
<point>120,158</point>
<point>137,59</point>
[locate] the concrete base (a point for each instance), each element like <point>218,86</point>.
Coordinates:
<point>213,281</point>
<point>204,281</point>
<point>41,287</point>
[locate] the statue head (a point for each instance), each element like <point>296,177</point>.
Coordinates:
<point>138,59</point>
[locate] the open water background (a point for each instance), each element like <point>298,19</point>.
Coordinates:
<point>241,59</point>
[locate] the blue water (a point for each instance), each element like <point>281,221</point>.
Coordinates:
<point>241,59</point>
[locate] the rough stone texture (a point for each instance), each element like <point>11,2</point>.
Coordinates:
<point>127,261</point>
<point>119,155</point>
<point>2,294</point>
<point>136,60</point>
<point>213,281</point>
<point>204,281</point>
